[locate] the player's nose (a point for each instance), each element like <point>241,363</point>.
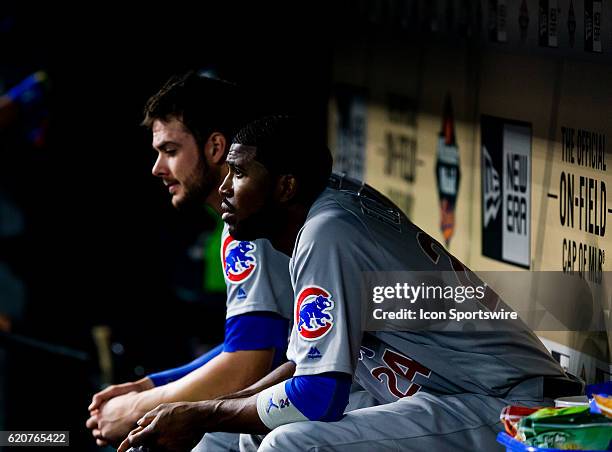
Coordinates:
<point>225,189</point>
<point>160,168</point>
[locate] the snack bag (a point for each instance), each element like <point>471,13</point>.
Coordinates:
<point>571,428</point>
<point>512,414</point>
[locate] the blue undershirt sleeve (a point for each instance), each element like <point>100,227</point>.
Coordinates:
<point>257,331</point>
<point>320,397</point>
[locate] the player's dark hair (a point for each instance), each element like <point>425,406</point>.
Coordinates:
<point>285,146</point>
<point>203,104</point>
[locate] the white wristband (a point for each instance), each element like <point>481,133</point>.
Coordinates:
<point>275,408</point>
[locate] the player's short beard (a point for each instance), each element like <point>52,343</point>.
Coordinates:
<point>202,181</point>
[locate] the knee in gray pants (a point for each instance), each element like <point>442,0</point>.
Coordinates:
<point>218,442</point>
<point>250,443</point>
<point>290,437</point>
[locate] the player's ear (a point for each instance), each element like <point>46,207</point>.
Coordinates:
<point>215,148</point>
<point>286,188</point>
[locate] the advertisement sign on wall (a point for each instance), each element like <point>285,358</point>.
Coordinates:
<point>506,190</point>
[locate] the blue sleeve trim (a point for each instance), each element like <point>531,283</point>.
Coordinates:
<point>320,397</point>
<point>257,331</point>
<point>168,376</point>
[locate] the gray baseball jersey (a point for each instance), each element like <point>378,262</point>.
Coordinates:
<point>347,233</point>
<point>257,277</point>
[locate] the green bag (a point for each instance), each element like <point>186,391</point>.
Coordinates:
<point>572,428</point>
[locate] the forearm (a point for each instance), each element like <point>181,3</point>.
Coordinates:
<point>233,415</point>
<point>196,387</point>
<point>147,400</point>
<point>279,374</point>
<point>162,427</point>
<point>179,426</point>
<point>170,375</point>
<point>225,374</point>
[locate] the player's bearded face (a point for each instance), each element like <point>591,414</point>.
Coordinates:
<point>248,205</point>
<point>180,164</point>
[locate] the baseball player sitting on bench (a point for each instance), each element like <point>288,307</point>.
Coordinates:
<point>191,124</point>
<point>441,390</point>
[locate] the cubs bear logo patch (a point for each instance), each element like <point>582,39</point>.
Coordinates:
<point>238,259</point>
<point>313,313</point>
